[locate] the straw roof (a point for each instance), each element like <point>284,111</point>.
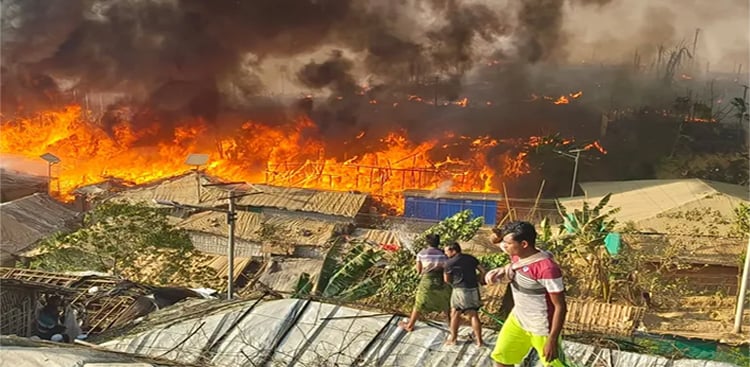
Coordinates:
<point>344,204</point>
<point>25,221</point>
<point>250,227</point>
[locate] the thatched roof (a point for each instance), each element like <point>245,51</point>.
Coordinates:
<point>15,185</point>
<point>294,230</point>
<point>337,203</point>
<point>184,189</point>
<point>25,221</point>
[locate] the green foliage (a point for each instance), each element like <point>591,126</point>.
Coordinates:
<point>742,219</point>
<point>579,247</point>
<point>399,280</point>
<point>132,241</point>
<point>494,260</point>
<point>458,227</point>
<point>590,271</point>
<point>344,278</point>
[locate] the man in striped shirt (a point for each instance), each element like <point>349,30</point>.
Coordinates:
<point>433,294</point>
<point>538,296</point>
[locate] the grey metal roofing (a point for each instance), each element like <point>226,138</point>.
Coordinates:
<point>27,220</point>
<point>294,332</point>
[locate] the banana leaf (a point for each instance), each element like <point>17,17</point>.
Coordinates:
<point>303,287</point>
<point>364,289</point>
<point>330,263</point>
<point>350,272</point>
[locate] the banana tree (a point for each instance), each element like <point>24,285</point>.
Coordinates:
<point>343,277</point>
<point>580,246</point>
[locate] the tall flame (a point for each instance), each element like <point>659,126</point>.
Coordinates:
<point>254,152</point>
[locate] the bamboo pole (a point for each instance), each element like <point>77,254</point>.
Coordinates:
<point>536,202</point>
<point>507,202</point>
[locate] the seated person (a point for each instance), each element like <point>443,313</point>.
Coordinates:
<point>49,325</point>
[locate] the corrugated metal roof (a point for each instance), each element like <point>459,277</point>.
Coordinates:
<point>249,226</point>
<point>25,221</point>
<point>346,204</point>
<point>305,333</point>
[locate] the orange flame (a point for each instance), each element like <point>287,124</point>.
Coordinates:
<point>562,100</point>
<point>287,155</point>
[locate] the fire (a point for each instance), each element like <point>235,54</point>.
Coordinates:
<point>559,100</point>
<point>596,145</point>
<point>288,155</point>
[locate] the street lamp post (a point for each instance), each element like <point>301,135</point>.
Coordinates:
<point>51,161</point>
<point>575,157</point>
<point>196,161</point>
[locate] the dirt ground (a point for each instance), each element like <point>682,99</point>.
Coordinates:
<point>706,317</point>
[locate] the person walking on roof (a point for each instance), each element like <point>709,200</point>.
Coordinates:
<point>433,295</point>
<point>461,273</point>
<point>539,297</point>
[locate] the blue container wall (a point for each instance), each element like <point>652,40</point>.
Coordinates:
<point>439,209</point>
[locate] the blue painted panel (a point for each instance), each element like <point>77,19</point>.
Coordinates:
<point>439,209</point>
<point>410,207</point>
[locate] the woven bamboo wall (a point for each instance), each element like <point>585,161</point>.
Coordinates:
<point>605,318</point>
<point>17,306</point>
<point>583,315</point>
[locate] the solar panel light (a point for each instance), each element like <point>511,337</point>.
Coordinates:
<point>196,159</point>
<point>50,158</point>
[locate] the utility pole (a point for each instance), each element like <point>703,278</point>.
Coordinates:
<point>742,291</point>
<point>231,213</point>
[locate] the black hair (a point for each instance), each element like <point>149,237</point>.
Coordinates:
<point>433,240</point>
<point>520,231</point>
<point>454,246</point>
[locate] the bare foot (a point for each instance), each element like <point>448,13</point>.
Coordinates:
<point>405,326</point>
<point>480,343</point>
<point>450,342</point>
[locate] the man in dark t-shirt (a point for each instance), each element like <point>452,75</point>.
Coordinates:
<point>461,272</point>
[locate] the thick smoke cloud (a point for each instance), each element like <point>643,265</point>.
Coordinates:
<point>202,57</point>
